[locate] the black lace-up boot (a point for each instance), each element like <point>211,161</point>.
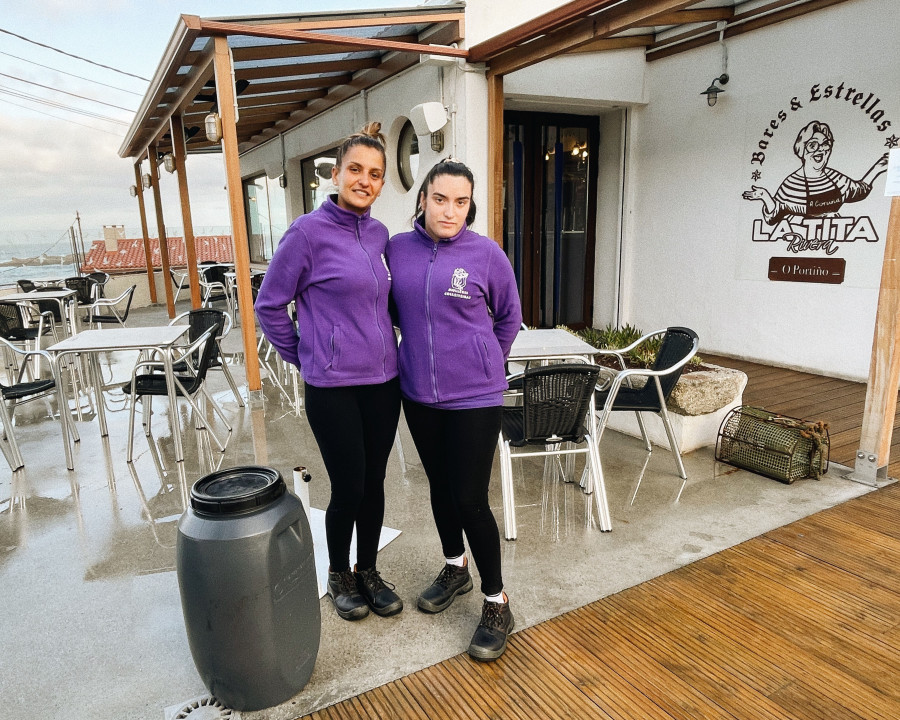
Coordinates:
<point>450,582</point>
<point>489,640</point>
<point>343,592</point>
<point>378,594</point>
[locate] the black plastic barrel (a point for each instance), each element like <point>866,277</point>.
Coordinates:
<point>247,576</point>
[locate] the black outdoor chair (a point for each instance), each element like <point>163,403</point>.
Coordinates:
<point>25,285</point>
<point>213,282</point>
<point>149,379</point>
<point>14,330</point>
<point>678,346</point>
<point>180,280</point>
<point>86,289</point>
<point>106,311</point>
<point>48,306</point>
<point>23,391</point>
<point>556,401</point>
<point>101,278</point>
<point>199,321</point>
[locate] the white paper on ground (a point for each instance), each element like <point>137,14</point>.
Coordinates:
<point>320,546</point>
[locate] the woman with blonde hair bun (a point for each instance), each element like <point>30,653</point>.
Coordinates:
<point>331,262</point>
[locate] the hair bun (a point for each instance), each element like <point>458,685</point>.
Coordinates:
<point>373,130</point>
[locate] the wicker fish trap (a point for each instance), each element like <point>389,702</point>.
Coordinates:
<point>777,446</point>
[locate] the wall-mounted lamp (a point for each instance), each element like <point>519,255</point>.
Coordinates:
<point>133,190</point>
<point>169,162</point>
<point>213,126</point>
<point>146,180</point>
<point>712,92</point>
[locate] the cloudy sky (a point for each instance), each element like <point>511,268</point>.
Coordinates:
<point>59,151</point>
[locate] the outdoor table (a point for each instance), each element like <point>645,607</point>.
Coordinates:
<point>153,339</point>
<point>550,344</point>
<point>64,297</point>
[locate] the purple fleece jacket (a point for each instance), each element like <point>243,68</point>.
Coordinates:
<point>331,261</point>
<point>459,312</point>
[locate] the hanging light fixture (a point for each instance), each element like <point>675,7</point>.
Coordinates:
<point>712,92</point>
<point>146,180</point>
<point>169,162</point>
<point>213,126</point>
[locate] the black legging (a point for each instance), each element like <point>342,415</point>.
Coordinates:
<point>354,428</point>
<point>457,449</point>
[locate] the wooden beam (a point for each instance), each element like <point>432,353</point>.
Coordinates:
<point>254,53</point>
<point>142,209</point>
<point>683,17</point>
<point>884,369</point>
<point>314,68</point>
<point>602,25</point>
<point>495,158</point>
<point>212,27</point>
<point>374,21</point>
<point>314,83</point>
<point>161,233</point>
<point>225,93</point>
<point>541,25</point>
<point>190,251</point>
<point>616,43</point>
<point>277,100</point>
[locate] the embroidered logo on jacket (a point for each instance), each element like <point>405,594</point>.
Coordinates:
<point>458,285</point>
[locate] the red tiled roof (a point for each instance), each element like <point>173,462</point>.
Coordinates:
<point>130,253</point>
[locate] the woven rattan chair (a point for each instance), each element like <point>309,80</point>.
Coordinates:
<point>556,402</point>
<point>23,391</point>
<point>200,321</point>
<point>678,346</point>
<point>213,283</point>
<point>148,379</point>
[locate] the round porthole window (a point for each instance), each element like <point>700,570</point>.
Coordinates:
<point>408,155</point>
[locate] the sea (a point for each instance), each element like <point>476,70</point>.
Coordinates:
<point>35,260</point>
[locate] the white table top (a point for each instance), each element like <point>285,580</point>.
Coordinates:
<point>138,338</point>
<point>58,294</point>
<point>549,343</point>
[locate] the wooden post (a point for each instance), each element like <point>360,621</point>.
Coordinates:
<point>495,158</point>
<point>143,212</point>
<point>176,127</point>
<point>225,101</point>
<point>161,231</point>
<point>873,455</point>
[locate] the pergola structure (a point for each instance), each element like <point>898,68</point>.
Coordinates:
<point>264,75</point>
<point>267,74</point>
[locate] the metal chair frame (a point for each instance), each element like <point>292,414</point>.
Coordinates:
<point>147,380</point>
<point>556,402</point>
<point>199,321</point>
<point>26,392</point>
<point>95,316</point>
<point>660,381</point>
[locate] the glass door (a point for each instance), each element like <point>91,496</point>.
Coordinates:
<point>549,214</point>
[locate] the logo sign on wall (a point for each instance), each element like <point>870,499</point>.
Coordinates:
<point>812,170</point>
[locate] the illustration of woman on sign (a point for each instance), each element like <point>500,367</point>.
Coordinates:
<point>814,190</point>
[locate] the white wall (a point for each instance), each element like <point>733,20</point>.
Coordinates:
<point>486,18</point>
<point>689,254</point>
<point>462,91</point>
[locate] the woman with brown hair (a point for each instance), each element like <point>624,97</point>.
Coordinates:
<point>331,263</point>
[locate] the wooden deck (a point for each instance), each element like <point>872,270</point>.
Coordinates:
<point>801,623</point>
<point>839,403</point>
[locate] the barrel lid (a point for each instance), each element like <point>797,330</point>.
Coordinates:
<point>237,490</point>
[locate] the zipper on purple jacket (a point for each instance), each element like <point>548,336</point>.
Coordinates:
<point>375,304</point>
<point>434,250</point>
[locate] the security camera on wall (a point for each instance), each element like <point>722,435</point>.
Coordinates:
<point>428,118</point>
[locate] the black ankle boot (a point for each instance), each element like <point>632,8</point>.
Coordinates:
<point>450,582</point>
<point>378,594</point>
<point>343,592</point>
<point>489,640</point>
